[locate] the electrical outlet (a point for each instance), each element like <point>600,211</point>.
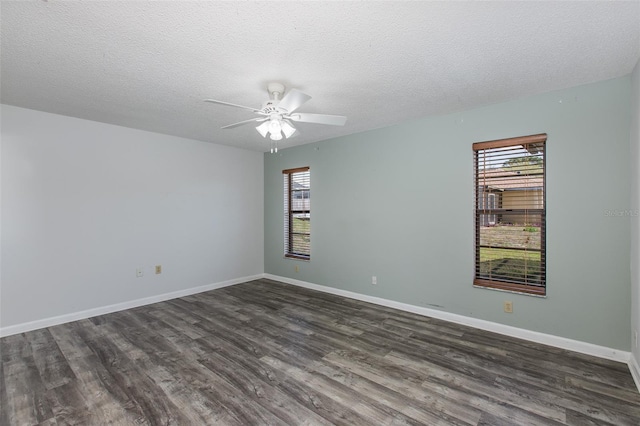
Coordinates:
<point>158,269</point>
<point>374,280</point>
<point>139,272</point>
<point>296,268</point>
<point>508,306</point>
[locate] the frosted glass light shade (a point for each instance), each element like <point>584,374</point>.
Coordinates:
<point>263,129</point>
<point>287,129</point>
<point>276,136</point>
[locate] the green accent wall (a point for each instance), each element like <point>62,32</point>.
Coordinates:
<point>397,203</point>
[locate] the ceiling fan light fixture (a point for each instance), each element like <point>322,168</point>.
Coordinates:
<point>274,128</point>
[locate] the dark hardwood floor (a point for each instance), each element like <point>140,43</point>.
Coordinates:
<point>264,352</point>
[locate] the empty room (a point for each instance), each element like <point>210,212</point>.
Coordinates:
<point>317,213</point>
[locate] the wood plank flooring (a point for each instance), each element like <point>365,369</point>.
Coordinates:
<point>264,352</point>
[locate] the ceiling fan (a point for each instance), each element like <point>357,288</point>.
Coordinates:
<point>277,115</point>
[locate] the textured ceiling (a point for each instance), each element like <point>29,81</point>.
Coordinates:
<point>149,65</point>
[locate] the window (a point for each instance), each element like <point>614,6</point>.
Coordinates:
<point>297,213</point>
<point>510,218</point>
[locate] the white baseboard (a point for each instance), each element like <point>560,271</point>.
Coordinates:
<point>534,336</point>
<point>507,330</point>
<point>75,316</point>
<point>635,371</point>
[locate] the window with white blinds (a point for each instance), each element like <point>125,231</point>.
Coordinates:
<point>297,213</point>
<point>510,218</point>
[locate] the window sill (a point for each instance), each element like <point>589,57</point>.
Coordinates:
<point>510,288</point>
<point>296,257</point>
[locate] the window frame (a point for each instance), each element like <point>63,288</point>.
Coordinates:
<point>498,284</point>
<point>290,212</point>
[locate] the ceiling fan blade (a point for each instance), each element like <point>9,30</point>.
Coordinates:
<point>233,105</point>
<point>240,123</point>
<point>292,100</point>
<point>333,120</point>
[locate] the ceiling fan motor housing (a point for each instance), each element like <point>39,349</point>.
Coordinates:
<point>270,106</point>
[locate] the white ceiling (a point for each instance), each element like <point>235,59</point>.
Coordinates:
<point>149,65</point>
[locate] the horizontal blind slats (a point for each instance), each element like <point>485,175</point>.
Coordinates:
<point>510,213</point>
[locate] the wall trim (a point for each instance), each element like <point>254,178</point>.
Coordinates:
<point>507,330</point>
<point>75,316</point>
<point>635,371</point>
<point>534,336</point>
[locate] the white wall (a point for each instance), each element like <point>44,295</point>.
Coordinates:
<point>84,204</point>
<point>635,208</point>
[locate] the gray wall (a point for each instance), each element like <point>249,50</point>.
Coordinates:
<point>84,204</point>
<point>397,203</point>
<point>635,207</point>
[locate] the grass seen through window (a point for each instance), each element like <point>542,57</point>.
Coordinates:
<point>510,253</point>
